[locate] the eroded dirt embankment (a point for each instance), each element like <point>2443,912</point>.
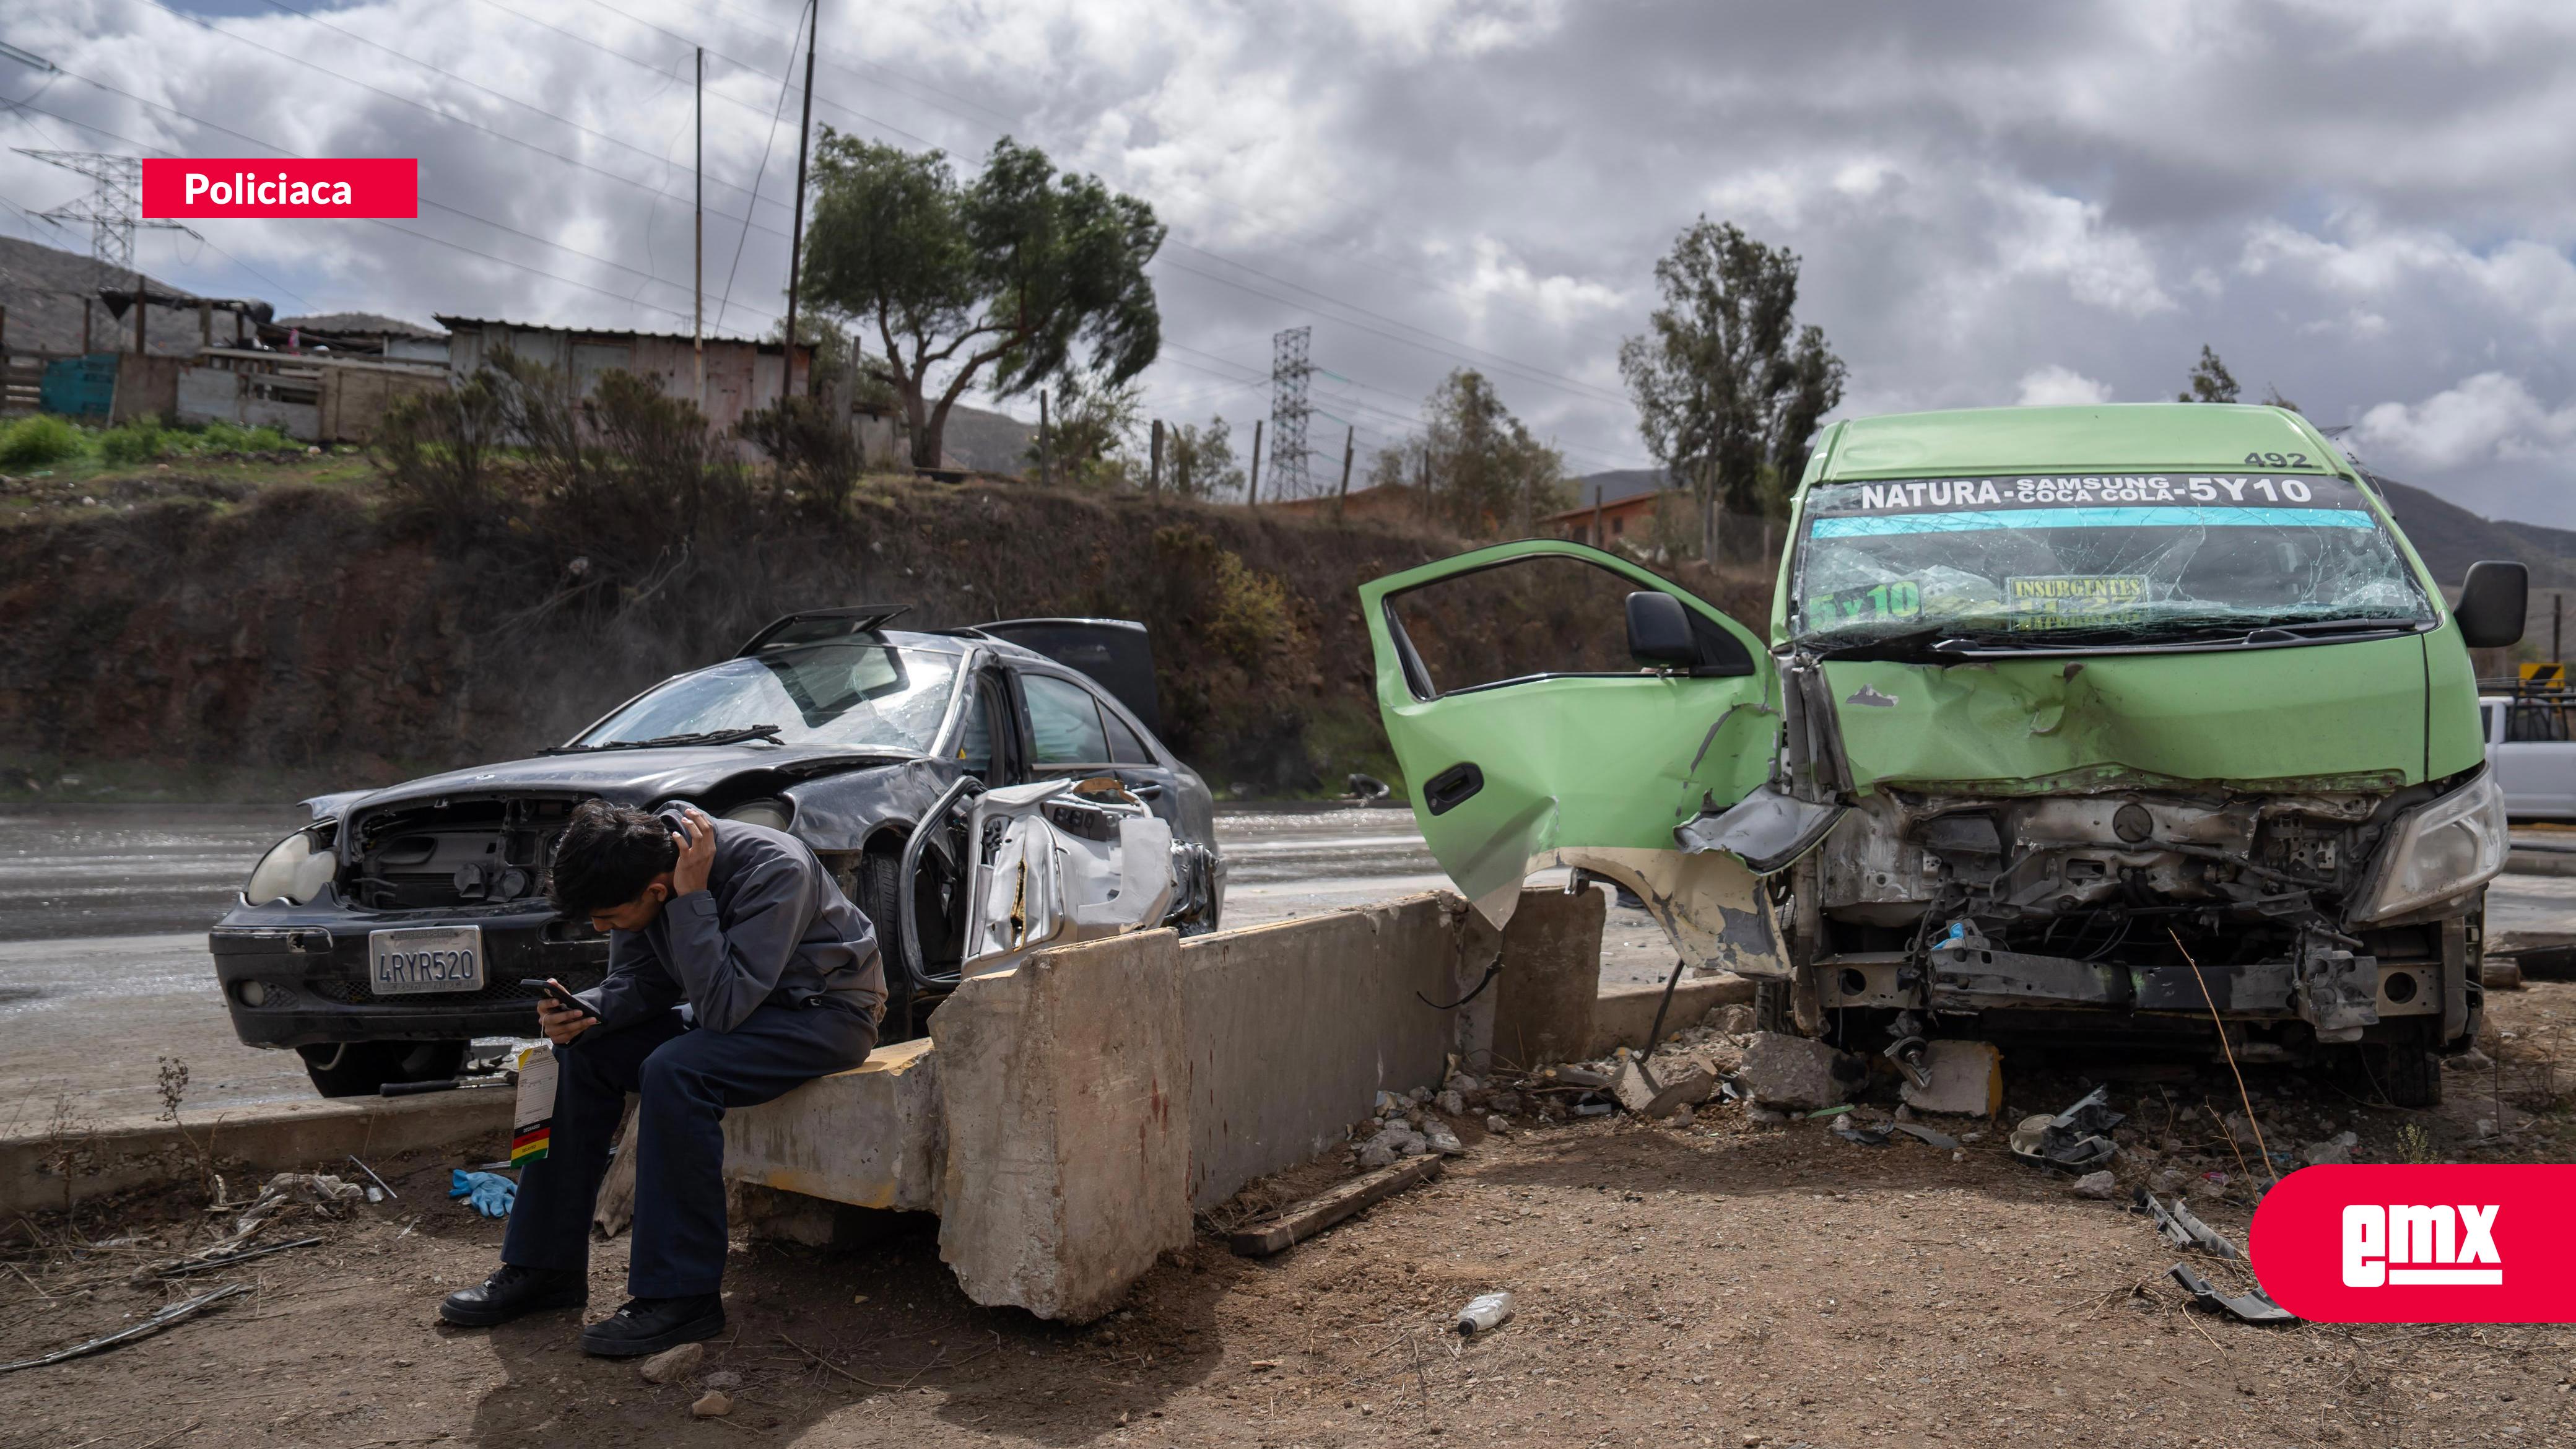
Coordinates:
<point>317,635</point>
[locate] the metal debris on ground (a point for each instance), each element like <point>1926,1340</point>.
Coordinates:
<point>371,1177</point>
<point>1921,1133</point>
<point>2250,1306</point>
<point>1857,1135</point>
<point>2075,1140</point>
<point>2184,1230</point>
<point>182,1267</point>
<point>175,1313</point>
<point>1484,1313</point>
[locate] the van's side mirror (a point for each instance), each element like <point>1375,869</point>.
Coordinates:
<point>1659,630</point>
<point>2493,601</point>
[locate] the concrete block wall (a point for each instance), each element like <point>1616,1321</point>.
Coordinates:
<point>1292,1029</point>
<point>868,1137</point>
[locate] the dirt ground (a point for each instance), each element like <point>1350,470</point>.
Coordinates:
<point>1725,1283</point>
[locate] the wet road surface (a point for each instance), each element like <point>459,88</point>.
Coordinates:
<point>103,913</point>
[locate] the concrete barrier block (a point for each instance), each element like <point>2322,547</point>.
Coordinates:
<point>1293,1028</point>
<point>869,1137</point>
<point>38,1171</point>
<point>1545,999</point>
<point>1064,1100</point>
<point>1624,1014</point>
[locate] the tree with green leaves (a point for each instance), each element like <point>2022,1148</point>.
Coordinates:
<point>2211,382</point>
<point>1477,468</point>
<point>1200,463</point>
<point>1092,432</point>
<point>1729,388</point>
<point>1004,278</point>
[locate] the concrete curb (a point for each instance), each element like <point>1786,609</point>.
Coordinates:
<point>103,1158</point>
<point>1624,1014</point>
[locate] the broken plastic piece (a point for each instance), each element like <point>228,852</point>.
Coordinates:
<point>2250,1306</point>
<point>1918,1131</point>
<point>1768,830</point>
<point>2075,1140</point>
<point>2184,1230</point>
<point>1851,1132</point>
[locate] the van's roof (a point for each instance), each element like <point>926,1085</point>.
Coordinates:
<point>2128,437</point>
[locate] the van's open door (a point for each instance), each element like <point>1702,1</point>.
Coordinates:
<point>1555,705</point>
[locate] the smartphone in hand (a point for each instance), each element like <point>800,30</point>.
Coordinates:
<point>555,993</point>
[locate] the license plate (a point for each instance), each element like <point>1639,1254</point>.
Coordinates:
<point>425,958</point>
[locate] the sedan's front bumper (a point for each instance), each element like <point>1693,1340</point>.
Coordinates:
<point>310,966</point>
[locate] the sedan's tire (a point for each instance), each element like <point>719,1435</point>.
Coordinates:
<point>359,1068</point>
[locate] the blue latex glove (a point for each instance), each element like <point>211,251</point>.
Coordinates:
<point>491,1194</point>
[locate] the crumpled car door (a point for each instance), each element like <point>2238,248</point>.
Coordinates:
<point>1061,861</point>
<point>1531,736</point>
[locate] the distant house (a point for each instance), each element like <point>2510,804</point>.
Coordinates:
<point>1615,507</point>
<point>742,375</point>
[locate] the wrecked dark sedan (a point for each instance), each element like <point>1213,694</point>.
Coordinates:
<point>379,940</point>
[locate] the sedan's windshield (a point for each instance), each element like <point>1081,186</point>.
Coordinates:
<point>843,693</point>
<point>2034,562</point>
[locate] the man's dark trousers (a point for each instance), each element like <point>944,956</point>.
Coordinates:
<point>688,1078</point>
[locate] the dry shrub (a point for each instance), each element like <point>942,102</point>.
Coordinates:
<point>436,450</point>
<point>814,455</point>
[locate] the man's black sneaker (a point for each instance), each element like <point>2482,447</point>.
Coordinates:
<point>515,1292</point>
<point>650,1325</point>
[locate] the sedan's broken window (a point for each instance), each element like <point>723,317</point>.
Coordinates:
<point>843,693</point>
<point>2023,561</point>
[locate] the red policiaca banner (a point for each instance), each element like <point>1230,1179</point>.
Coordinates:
<point>2434,1243</point>
<point>348,187</point>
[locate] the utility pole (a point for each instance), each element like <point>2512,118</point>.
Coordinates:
<point>1154,470</point>
<point>1046,453</point>
<point>1350,441</point>
<point>698,281</point>
<point>796,237</point>
<point>1252,491</point>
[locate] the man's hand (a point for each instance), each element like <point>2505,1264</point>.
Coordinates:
<point>697,842</point>
<point>561,1023</point>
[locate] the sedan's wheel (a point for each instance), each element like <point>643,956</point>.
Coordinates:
<point>359,1068</point>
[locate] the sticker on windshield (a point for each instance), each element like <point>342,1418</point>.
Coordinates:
<point>2066,601</point>
<point>1898,599</point>
<point>2138,500</point>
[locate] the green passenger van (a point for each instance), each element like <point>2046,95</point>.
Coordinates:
<point>2080,727</point>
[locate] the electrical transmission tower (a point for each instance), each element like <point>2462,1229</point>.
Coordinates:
<point>109,209</point>
<point>1289,371</point>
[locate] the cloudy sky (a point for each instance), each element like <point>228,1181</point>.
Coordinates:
<point>2367,208</point>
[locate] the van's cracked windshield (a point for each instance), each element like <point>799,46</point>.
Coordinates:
<point>2032,562</point>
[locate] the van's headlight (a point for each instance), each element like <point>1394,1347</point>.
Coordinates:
<point>294,870</point>
<point>2439,850</point>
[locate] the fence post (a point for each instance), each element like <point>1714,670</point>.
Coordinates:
<point>1341,497</point>
<point>1154,470</point>
<point>1252,490</point>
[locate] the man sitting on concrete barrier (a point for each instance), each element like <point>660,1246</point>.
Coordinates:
<point>781,982</point>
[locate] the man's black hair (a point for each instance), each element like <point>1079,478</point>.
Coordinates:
<point>606,857</point>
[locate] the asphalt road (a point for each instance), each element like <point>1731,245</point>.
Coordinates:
<point>103,964</point>
<point>103,910</point>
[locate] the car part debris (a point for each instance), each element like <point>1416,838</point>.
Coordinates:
<point>2250,1306</point>
<point>175,1313</point>
<point>2185,1230</point>
<point>186,1266</point>
<point>1857,1135</point>
<point>1484,1313</point>
<point>1768,830</point>
<point>1306,1219</point>
<point>2075,1140</point>
<point>1921,1133</point>
<point>1575,1076</point>
<point>1963,1079</point>
<point>488,1193</point>
<point>1061,861</point>
<point>1908,1053</point>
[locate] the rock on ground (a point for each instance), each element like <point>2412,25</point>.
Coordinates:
<point>672,1364</point>
<point>1793,1071</point>
<point>2097,1185</point>
<point>711,1405</point>
<point>1967,1079</point>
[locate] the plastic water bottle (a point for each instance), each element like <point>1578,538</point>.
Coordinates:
<point>1485,1313</point>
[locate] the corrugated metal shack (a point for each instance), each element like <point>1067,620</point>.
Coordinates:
<point>742,375</point>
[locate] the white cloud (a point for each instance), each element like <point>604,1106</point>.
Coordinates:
<point>2053,386</point>
<point>2488,418</point>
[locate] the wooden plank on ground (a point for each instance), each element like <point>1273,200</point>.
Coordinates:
<point>1317,1213</point>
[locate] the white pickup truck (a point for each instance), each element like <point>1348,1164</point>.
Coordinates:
<point>2529,743</point>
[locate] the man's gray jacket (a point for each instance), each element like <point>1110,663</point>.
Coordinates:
<point>771,928</point>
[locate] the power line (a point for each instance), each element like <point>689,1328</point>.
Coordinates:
<point>785,80</point>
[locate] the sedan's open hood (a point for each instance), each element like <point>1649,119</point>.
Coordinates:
<point>629,777</point>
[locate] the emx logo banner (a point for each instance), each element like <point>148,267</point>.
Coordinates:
<point>2422,1244</point>
<point>356,187</point>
